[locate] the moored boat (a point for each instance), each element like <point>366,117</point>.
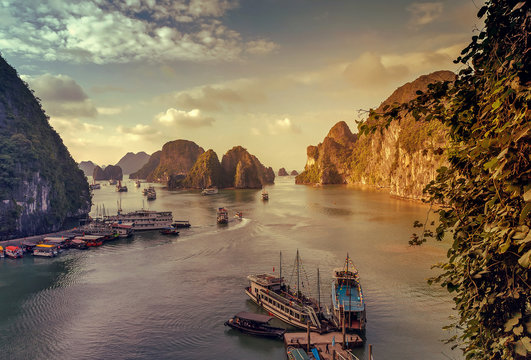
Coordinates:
<point>13,252</point>
<point>169,231</point>
<point>45,250</point>
<point>254,324</point>
<point>79,244</point>
<point>123,230</point>
<point>210,191</point>
<point>2,254</point>
<point>143,219</point>
<point>121,188</point>
<point>91,240</point>
<point>347,297</point>
<point>222,216</point>
<point>180,224</point>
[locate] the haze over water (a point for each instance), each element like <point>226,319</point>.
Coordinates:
<point>155,297</point>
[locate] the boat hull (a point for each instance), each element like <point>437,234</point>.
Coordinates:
<point>272,333</point>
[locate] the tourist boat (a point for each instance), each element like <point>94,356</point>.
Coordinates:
<point>123,230</point>
<point>79,244</point>
<point>181,224</point>
<point>27,247</point>
<point>61,242</point>
<point>210,191</point>
<point>13,252</point>
<point>222,216</point>
<point>169,231</point>
<point>112,182</point>
<point>45,250</point>
<point>91,240</point>
<point>238,215</point>
<point>265,195</point>
<point>254,324</point>
<point>347,297</point>
<point>151,195</point>
<point>94,185</point>
<point>121,188</point>
<point>143,219</point>
<point>1,252</point>
<point>269,292</point>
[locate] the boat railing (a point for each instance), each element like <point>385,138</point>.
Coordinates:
<point>285,301</point>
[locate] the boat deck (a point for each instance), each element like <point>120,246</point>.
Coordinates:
<point>351,302</point>
<point>319,341</point>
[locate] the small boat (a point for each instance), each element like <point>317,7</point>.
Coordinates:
<point>181,224</point>
<point>169,231</point>
<point>1,252</point>
<point>265,195</point>
<point>45,250</point>
<point>137,183</point>
<point>94,185</point>
<point>296,354</point>
<point>239,215</point>
<point>210,191</point>
<point>112,182</point>
<point>254,324</point>
<point>121,188</point>
<point>152,195</point>
<point>13,252</point>
<point>222,216</point>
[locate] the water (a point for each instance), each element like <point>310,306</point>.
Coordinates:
<point>159,297</point>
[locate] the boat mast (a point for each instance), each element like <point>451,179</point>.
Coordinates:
<point>281,268</point>
<point>319,289</point>
<point>349,296</point>
<point>298,271</point>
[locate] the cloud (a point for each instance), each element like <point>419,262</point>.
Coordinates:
<point>109,110</point>
<point>191,119</point>
<point>284,126</point>
<point>368,70</point>
<point>258,47</point>
<point>61,96</point>
<point>424,13</point>
<point>105,31</point>
<point>138,129</point>
<point>72,127</point>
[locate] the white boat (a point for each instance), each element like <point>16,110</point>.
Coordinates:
<point>210,191</point>
<point>45,250</point>
<point>123,230</point>
<point>143,219</point>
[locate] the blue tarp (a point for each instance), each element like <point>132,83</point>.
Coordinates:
<point>316,354</point>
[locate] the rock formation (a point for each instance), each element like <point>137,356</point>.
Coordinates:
<point>243,170</point>
<point>132,162</point>
<point>110,172</point>
<point>282,172</point>
<point>206,172</point>
<point>294,173</point>
<point>403,158</point>
<point>40,184</point>
<point>148,168</point>
<point>87,167</point>
<point>177,158</point>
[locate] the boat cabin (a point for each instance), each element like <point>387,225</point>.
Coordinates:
<point>46,250</point>
<point>13,252</point>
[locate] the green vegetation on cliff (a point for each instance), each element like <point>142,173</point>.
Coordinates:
<point>148,168</point>
<point>40,183</point>
<point>484,193</point>
<point>206,172</point>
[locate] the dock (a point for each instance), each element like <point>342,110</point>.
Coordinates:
<point>334,340</point>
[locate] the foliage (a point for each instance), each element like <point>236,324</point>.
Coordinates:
<point>310,175</point>
<point>484,195</point>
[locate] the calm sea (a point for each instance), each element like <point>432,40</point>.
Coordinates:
<point>158,297</point>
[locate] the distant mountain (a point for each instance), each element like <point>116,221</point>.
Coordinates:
<point>132,162</point>
<point>294,173</point>
<point>148,168</point>
<point>40,184</point>
<point>282,172</point>
<point>87,167</point>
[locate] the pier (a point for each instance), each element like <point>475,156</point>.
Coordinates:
<point>334,340</point>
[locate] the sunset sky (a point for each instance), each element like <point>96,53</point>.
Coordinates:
<point>270,75</point>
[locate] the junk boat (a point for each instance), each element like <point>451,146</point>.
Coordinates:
<point>169,231</point>
<point>112,182</point>
<point>265,195</point>
<point>269,292</point>
<point>254,324</point>
<point>137,183</point>
<point>210,191</point>
<point>121,188</point>
<point>143,219</point>
<point>239,215</point>
<point>347,298</point>
<point>46,250</point>
<point>222,216</point>
<point>181,224</point>
<point>13,252</point>
<point>150,193</point>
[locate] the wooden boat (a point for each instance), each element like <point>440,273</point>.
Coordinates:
<point>112,182</point>
<point>347,297</point>
<point>91,240</point>
<point>169,231</point>
<point>121,188</point>
<point>210,191</point>
<point>265,195</point>
<point>222,216</point>
<point>2,254</point>
<point>254,324</point>
<point>13,252</point>
<point>45,250</point>
<point>181,224</point>
<point>79,244</point>
<point>137,183</point>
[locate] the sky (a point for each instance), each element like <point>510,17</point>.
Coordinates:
<point>270,75</point>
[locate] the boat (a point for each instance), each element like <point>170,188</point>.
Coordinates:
<point>61,242</point>
<point>347,297</point>
<point>210,191</point>
<point>169,231</point>
<point>238,215</point>
<point>265,195</point>
<point>27,247</point>
<point>45,250</point>
<point>91,240</point>
<point>2,254</point>
<point>94,185</point>
<point>121,188</point>
<point>137,183</point>
<point>79,244</point>
<point>151,195</point>
<point>123,230</point>
<point>13,252</point>
<point>222,216</point>
<point>181,224</point>
<point>273,295</point>
<point>143,219</point>
<point>294,353</point>
<point>254,324</point>
<point>112,182</point>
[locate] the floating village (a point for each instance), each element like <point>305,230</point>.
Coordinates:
<point>317,330</point>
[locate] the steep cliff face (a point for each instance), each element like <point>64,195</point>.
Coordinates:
<point>243,170</point>
<point>87,167</point>
<point>110,172</point>
<point>40,184</point>
<point>132,162</point>
<point>148,168</point>
<point>177,158</point>
<point>403,158</point>
<point>206,172</point>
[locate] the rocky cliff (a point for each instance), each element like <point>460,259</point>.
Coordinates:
<point>206,172</point>
<point>177,158</point>
<point>403,158</point>
<point>294,173</point>
<point>87,167</point>
<point>243,170</point>
<point>148,168</point>
<point>110,172</point>
<point>132,162</point>
<point>282,172</point>
<point>40,184</point>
